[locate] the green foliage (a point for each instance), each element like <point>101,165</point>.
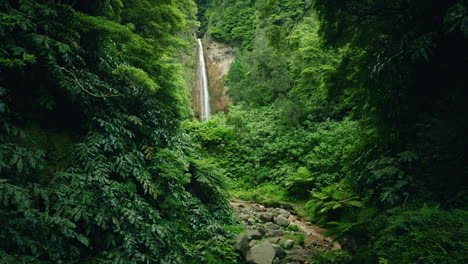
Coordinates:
<point>357,107</point>
<point>94,165</point>
<point>293,228</point>
<point>138,77</point>
<point>390,177</point>
<point>260,77</point>
<point>231,21</point>
<point>333,257</point>
<point>425,235</point>
<point>331,201</point>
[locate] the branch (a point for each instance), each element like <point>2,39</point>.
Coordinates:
<point>82,87</point>
<point>306,9</point>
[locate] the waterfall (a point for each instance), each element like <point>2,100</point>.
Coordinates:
<point>204,96</point>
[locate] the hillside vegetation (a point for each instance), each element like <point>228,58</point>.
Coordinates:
<point>94,166</point>
<point>353,112</point>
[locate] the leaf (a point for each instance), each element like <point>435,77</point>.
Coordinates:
<point>116,221</point>
<point>19,165</point>
<point>355,204</point>
<point>84,240</point>
<point>135,120</point>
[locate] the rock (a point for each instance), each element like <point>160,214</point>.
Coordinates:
<point>269,210</point>
<point>266,217</point>
<point>270,225</point>
<point>279,251</point>
<point>274,240</point>
<point>276,261</point>
<point>261,230</point>
<point>261,254</point>
<point>250,221</point>
<point>252,243</point>
<point>260,208</point>
<point>288,244</point>
<point>282,221</point>
<point>254,234</point>
<point>242,244</point>
<point>298,256</point>
<point>244,216</point>
<point>284,213</point>
<point>273,233</point>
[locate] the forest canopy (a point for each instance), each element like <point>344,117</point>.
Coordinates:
<point>352,111</point>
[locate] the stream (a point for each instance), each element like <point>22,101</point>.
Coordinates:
<point>276,236</point>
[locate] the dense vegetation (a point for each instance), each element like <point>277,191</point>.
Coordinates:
<point>356,111</point>
<point>94,166</point>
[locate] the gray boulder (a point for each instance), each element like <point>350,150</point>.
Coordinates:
<point>274,240</point>
<point>282,221</point>
<point>270,225</point>
<point>252,243</point>
<point>284,213</point>
<point>267,217</point>
<point>242,244</point>
<point>261,254</point>
<point>279,251</point>
<point>254,234</point>
<point>273,233</point>
<point>288,244</point>
<point>244,216</point>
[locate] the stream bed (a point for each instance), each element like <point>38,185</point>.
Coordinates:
<point>276,236</point>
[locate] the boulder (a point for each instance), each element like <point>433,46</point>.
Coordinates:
<point>254,234</point>
<point>266,217</point>
<point>252,243</point>
<point>260,208</point>
<point>273,233</point>
<point>298,256</point>
<point>284,213</point>
<point>282,221</point>
<point>242,244</point>
<point>244,216</point>
<point>288,244</point>
<point>270,225</point>
<point>261,230</point>
<point>279,251</point>
<point>274,240</point>
<point>261,254</point>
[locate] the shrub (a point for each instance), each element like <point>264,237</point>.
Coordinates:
<point>427,235</point>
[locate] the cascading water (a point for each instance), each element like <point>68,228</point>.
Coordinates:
<point>204,96</point>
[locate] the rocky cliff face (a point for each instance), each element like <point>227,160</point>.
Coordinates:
<point>219,58</point>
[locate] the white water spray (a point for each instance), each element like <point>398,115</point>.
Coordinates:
<point>204,96</point>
